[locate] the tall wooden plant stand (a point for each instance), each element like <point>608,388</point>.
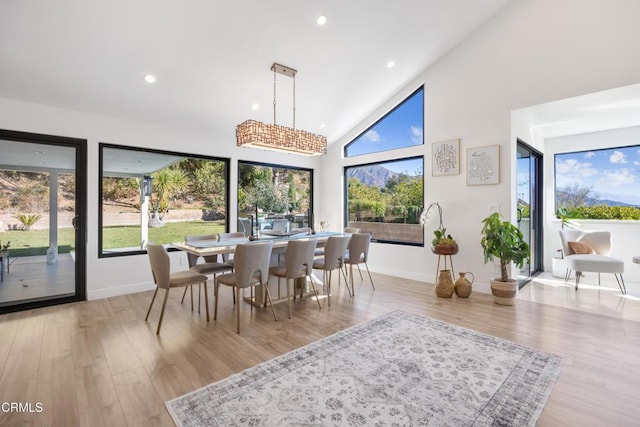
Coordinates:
<point>444,251</point>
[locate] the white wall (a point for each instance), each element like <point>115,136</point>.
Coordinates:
<point>625,233</point>
<point>533,51</point>
<point>115,276</point>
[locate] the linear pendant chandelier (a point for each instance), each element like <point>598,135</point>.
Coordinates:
<point>252,133</point>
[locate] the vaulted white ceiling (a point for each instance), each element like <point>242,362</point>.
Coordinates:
<point>212,58</point>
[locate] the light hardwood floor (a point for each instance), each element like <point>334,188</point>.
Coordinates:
<point>99,363</point>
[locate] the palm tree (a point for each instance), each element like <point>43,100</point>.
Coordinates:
<point>167,183</point>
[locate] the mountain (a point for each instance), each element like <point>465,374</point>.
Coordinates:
<point>613,203</point>
<point>372,175</point>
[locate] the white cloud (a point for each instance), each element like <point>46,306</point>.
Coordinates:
<point>572,171</point>
<point>416,135</point>
<point>372,136</point>
<point>619,177</point>
<point>575,169</point>
<point>636,163</point>
<point>618,157</point>
<point>589,155</point>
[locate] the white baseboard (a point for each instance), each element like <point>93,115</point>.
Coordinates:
<point>429,278</point>
<point>93,294</point>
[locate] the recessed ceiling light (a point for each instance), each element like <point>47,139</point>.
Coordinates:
<point>322,19</point>
<point>150,78</point>
<point>391,64</point>
<point>255,107</point>
<point>323,125</point>
<point>39,152</point>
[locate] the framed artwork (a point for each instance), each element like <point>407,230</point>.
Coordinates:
<point>483,165</point>
<point>446,158</point>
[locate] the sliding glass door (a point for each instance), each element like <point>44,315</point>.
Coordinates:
<point>529,208</point>
<point>42,220</point>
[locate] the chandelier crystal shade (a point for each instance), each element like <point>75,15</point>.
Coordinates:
<point>252,133</point>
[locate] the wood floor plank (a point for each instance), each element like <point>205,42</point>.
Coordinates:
<point>60,406</point>
<point>98,401</point>
<point>141,405</point>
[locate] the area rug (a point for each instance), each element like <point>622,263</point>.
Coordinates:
<point>399,369</point>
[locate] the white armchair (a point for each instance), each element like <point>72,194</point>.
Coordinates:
<point>589,251</point>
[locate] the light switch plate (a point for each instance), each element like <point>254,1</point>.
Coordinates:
<point>494,207</point>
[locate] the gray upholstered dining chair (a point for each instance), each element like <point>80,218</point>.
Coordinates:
<point>163,278</point>
<point>209,266</point>
<point>347,230</point>
<point>358,253</point>
<point>251,269</point>
<point>298,263</point>
<point>589,251</point>
<point>331,260</point>
<point>235,235</point>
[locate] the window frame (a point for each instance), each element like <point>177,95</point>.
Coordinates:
<point>103,145</point>
<point>379,162</point>
<point>382,118</point>
<point>555,181</point>
<point>278,166</point>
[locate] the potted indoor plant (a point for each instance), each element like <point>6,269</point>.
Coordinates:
<point>443,243</point>
<point>503,240</point>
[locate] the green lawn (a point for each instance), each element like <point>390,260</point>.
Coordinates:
<point>36,242</point>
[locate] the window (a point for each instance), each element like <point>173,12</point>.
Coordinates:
<point>401,127</point>
<point>158,196</point>
<point>598,184</point>
<point>280,197</point>
<point>386,199</point>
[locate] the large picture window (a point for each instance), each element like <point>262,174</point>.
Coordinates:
<point>386,199</point>
<point>273,197</point>
<point>159,197</point>
<point>400,128</point>
<point>598,184</point>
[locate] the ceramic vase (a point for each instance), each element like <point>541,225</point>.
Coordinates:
<point>463,286</point>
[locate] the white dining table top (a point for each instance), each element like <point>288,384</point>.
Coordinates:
<point>211,247</point>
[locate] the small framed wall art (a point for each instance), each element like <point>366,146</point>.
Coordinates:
<point>446,158</point>
<point>483,165</point>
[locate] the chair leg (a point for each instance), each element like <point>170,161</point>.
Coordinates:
<point>567,273</point>
<point>183,294</point>
<point>360,271</point>
<point>215,295</point>
<point>206,300</point>
<point>164,305</point>
<point>191,287</point>
<point>266,287</point>
<point>199,293</point>
<point>621,284</point>
<point>369,273</point>
<point>288,294</point>
<point>578,274</point>
<point>238,312</point>
<point>151,305</point>
<point>353,288</point>
<point>329,288</point>
<point>315,292</point>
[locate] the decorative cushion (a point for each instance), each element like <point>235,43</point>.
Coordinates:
<point>581,248</point>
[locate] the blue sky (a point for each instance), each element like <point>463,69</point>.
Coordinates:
<point>614,173</point>
<point>402,127</point>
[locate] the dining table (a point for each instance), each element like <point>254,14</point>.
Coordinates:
<point>280,238</point>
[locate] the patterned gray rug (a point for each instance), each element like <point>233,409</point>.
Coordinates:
<point>399,369</point>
